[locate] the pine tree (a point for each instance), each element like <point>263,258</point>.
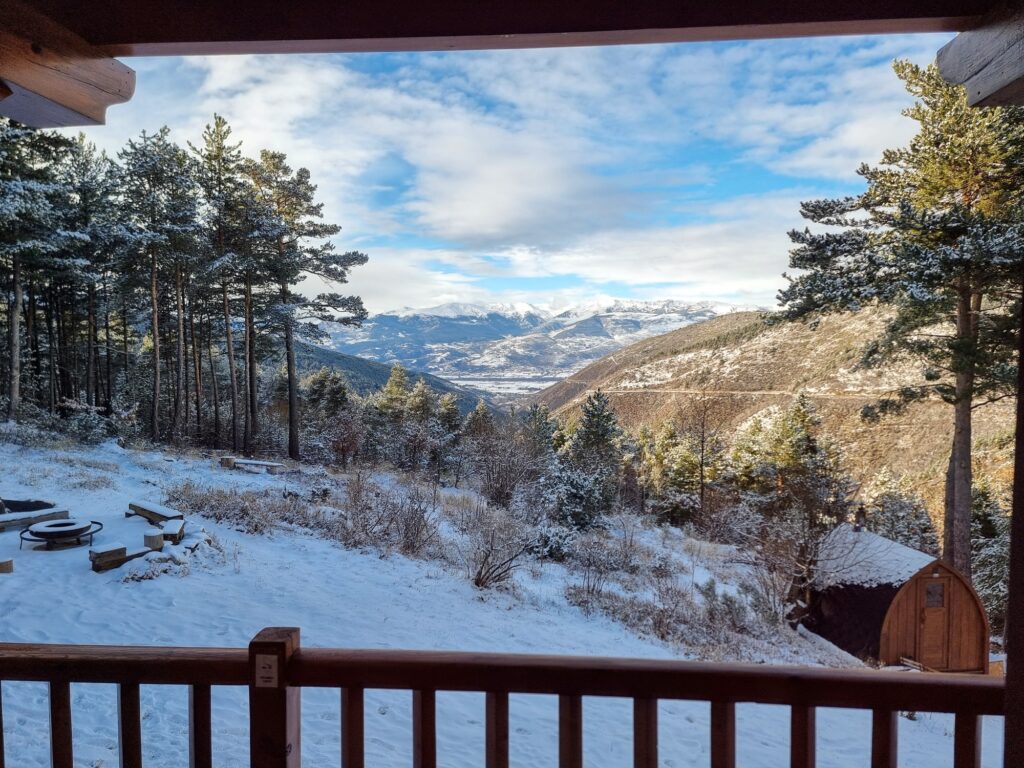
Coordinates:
<point>990,531</point>
<point>479,423</point>
<point>591,462</point>
<point>159,206</point>
<point>225,196</point>
<point>32,232</point>
<point>395,392</point>
<point>897,513</point>
<point>299,247</point>
<point>936,236</point>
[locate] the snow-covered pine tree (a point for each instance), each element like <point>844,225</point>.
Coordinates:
<point>990,533</point>
<point>937,236</point>
<point>896,512</point>
<point>158,205</point>
<point>300,247</point>
<point>33,237</point>
<point>591,462</point>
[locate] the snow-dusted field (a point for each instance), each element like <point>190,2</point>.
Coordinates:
<point>339,598</point>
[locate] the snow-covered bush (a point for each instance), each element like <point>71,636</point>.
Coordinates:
<point>990,547</point>
<point>896,512</point>
<point>553,542</point>
<point>86,425</point>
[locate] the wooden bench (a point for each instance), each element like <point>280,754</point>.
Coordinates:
<point>271,467</point>
<point>21,520</point>
<point>156,514</point>
<point>112,556</point>
<point>174,531</point>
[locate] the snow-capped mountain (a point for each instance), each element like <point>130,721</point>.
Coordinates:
<point>509,349</point>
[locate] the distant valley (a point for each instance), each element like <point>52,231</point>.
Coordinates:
<point>513,350</point>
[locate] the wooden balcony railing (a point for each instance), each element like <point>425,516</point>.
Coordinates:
<point>275,669</point>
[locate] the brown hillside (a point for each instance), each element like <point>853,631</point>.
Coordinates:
<point>757,366</point>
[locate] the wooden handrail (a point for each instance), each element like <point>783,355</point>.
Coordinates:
<point>645,678</point>
<point>275,668</point>
<point>124,664</point>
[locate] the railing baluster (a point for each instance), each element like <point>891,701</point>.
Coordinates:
<point>352,728</point>
<point>723,734</point>
<point>129,735</point>
<point>802,742</point>
<point>884,738</point>
<point>61,752</point>
<point>497,729</point>
<point>570,732</point>
<point>424,729</point>
<point>645,733</point>
<point>2,725</point>
<point>967,741</point>
<point>2,763</point>
<point>200,743</point>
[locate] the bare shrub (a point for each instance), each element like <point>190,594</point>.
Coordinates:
<point>248,511</point>
<point>593,559</point>
<point>625,529</point>
<point>496,543</point>
<point>388,519</point>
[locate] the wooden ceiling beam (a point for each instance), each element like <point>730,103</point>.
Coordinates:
<point>50,77</point>
<point>187,27</point>
<point>989,60</point>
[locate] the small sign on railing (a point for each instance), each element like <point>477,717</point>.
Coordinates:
<point>266,670</point>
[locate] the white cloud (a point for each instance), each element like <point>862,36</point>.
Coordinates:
<point>566,162</point>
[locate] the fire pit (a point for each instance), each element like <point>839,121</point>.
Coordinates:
<point>54,533</point>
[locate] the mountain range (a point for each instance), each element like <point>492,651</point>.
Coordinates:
<point>751,367</point>
<point>508,350</point>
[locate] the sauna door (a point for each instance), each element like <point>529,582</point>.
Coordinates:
<point>933,634</point>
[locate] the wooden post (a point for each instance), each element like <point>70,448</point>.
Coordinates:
<point>496,731</point>
<point>723,734</point>
<point>1013,744</point>
<point>645,733</point>
<point>274,706</point>
<point>884,738</point>
<point>802,737</point>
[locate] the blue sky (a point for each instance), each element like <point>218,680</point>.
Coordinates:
<point>555,176</point>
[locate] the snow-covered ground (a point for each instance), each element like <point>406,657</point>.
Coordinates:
<point>344,598</point>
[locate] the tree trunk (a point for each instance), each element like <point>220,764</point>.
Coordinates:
<point>213,385</point>
<point>180,385</point>
<point>959,553</point>
<point>109,372</point>
<point>229,345</point>
<point>90,344</point>
<point>154,308</point>
<point>252,420</point>
<point>293,384</point>
<point>14,386</point>
<point>197,369</point>
<point>51,351</point>
<point>32,331</point>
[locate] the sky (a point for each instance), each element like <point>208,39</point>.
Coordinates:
<point>555,176</point>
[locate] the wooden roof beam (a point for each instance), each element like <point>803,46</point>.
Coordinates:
<point>989,60</point>
<point>51,77</point>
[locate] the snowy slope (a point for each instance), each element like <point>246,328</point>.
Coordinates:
<point>339,598</point>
